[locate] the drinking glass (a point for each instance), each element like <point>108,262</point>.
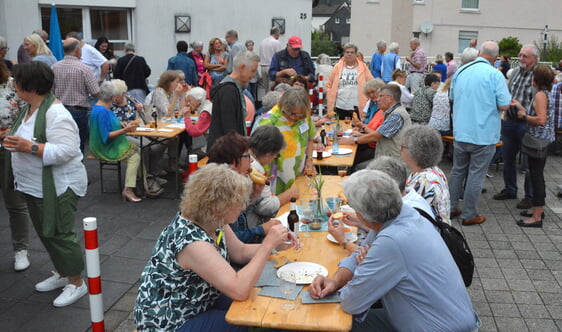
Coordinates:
<point>347,120</point>
<point>307,215</point>
<point>287,285</point>
<point>342,171</point>
<point>334,204</point>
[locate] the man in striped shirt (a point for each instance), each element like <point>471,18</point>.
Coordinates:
<point>416,67</point>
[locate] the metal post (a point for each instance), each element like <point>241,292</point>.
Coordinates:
<point>544,42</point>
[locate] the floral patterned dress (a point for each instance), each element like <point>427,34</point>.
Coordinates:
<point>125,113</point>
<point>290,162</point>
<point>10,104</point>
<point>431,184</point>
<point>168,295</point>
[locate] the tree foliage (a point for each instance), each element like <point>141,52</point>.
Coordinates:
<point>321,43</point>
<point>510,46</point>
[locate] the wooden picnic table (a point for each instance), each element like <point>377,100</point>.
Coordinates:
<point>335,161</point>
<point>267,312</point>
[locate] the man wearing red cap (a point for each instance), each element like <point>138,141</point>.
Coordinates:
<point>291,61</point>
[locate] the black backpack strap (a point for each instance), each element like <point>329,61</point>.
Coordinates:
<point>438,223</point>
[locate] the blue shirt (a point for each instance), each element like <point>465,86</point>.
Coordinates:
<point>443,69</point>
<point>376,65</point>
<point>477,90</point>
<point>411,270</point>
<point>184,63</point>
<point>389,62</point>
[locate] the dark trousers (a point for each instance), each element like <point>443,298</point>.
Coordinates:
<point>81,117</point>
<point>536,175</point>
<point>512,134</point>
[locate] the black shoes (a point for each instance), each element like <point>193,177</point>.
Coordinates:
<point>503,195</point>
<point>536,224</point>
<point>529,214</point>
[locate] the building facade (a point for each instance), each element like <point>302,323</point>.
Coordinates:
<point>156,26</point>
<point>450,24</point>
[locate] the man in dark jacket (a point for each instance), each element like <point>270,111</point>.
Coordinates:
<point>184,63</point>
<point>291,61</point>
<point>229,106</point>
<point>134,70</point>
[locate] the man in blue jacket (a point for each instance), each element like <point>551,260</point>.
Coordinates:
<point>184,63</point>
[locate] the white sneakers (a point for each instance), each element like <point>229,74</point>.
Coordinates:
<point>21,262</point>
<point>70,293</point>
<point>53,282</point>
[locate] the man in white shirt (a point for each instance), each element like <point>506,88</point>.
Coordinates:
<point>92,58</point>
<point>268,47</point>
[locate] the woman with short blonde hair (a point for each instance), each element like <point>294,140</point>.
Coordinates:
<point>38,50</point>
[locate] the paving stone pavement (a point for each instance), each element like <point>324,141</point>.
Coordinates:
<point>517,284</point>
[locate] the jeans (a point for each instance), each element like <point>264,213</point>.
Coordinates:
<point>81,117</point>
<point>212,319</point>
<point>376,320</point>
<point>512,134</point>
<point>472,160</point>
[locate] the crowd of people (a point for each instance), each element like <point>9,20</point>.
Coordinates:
<point>54,112</point>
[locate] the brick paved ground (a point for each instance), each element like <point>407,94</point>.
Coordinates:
<point>518,284</point>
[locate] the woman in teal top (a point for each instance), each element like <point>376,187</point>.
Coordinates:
<point>108,141</point>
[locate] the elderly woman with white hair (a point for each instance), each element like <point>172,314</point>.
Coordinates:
<point>189,283</point>
<point>38,50</point>
<point>422,149</point>
<point>198,106</point>
<point>108,138</point>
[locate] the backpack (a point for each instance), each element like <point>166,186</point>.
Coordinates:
<point>457,246</point>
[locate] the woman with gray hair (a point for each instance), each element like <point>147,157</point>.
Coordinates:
<point>292,117</point>
<point>197,117</point>
<point>345,84</point>
<point>108,138</point>
<point>189,283</point>
<point>422,149</point>
<point>197,56</point>
<point>265,144</point>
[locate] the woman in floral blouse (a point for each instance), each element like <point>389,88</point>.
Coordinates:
<point>188,283</point>
<point>422,149</point>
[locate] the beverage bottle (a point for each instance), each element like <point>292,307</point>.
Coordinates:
<point>191,169</point>
<point>155,116</point>
<point>323,138</point>
<point>293,217</point>
<point>335,143</point>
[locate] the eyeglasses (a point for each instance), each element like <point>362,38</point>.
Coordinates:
<point>246,155</point>
<point>296,115</point>
<point>383,95</point>
<point>521,55</point>
<point>404,147</point>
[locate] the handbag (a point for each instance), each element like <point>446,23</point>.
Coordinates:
<point>534,147</point>
<point>457,246</point>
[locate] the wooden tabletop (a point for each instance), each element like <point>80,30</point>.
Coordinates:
<point>167,132</point>
<point>266,312</point>
<point>335,161</point>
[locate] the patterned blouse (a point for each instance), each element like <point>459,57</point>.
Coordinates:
<point>431,184</point>
<point>125,113</point>
<point>290,163</point>
<point>10,104</point>
<point>168,295</point>
<point>547,131</point>
<point>422,105</point>
<point>441,114</point>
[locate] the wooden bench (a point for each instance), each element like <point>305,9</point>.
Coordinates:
<point>451,139</point>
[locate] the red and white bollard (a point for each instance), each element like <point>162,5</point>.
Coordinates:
<point>320,95</point>
<point>93,272</point>
<point>311,95</point>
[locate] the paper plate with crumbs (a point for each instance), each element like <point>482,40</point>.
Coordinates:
<point>305,272</point>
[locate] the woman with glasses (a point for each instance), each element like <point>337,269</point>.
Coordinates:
<point>346,82</point>
<point>292,117</point>
<point>233,149</point>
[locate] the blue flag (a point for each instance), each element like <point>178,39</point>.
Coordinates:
<point>55,39</point>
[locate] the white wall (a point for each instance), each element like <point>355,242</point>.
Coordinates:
<point>153,30</point>
<point>373,21</point>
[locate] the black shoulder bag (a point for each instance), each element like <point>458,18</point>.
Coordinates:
<point>457,246</point>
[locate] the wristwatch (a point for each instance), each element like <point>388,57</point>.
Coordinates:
<point>355,138</point>
<point>34,148</point>
<point>524,117</point>
<point>344,243</point>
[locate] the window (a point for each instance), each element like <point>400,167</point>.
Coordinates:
<point>470,4</point>
<point>115,23</point>
<point>348,21</point>
<point>465,37</point>
<point>419,2</point>
<point>337,20</point>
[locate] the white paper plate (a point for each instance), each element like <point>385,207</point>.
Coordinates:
<point>283,219</point>
<point>145,129</point>
<point>305,272</point>
<point>167,130</point>
<point>341,151</point>
<point>350,236</point>
<point>325,154</point>
<point>176,125</point>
